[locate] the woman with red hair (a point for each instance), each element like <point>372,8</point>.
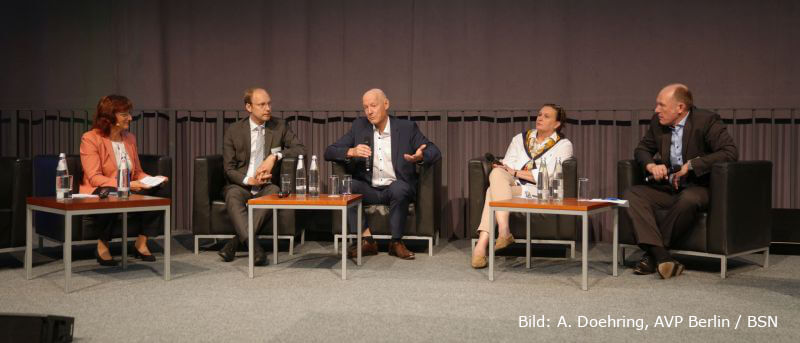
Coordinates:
<point>102,150</point>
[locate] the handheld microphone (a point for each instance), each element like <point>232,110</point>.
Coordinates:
<point>368,159</point>
<point>651,179</point>
<point>491,159</point>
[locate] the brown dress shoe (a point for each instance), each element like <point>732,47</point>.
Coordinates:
<point>503,242</point>
<point>367,249</point>
<point>399,249</point>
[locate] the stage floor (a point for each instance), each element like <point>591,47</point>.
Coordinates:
<point>439,298</point>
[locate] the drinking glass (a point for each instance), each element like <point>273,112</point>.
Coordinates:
<point>333,186</point>
<point>583,189</point>
<point>347,181</point>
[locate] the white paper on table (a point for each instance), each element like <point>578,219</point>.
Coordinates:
<point>83,196</point>
<point>152,181</point>
<point>622,202</point>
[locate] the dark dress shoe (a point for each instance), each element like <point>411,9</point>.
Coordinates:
<point>259,256</point>
<point>669,268</point>
<point>367,249</point>
<point>143,257</point>
<point>105,263</point>
<point>399,249</point>
<point>646,266</point>
<point>228,252</point>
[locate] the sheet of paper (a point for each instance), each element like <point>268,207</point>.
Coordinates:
<point>83,196</point>
<point>152,181</point>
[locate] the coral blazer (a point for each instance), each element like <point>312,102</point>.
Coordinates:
<point>99,164</point>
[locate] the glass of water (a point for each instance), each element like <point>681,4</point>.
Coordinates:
<point>347,181</point>
<point>583,189</point>
<point>333,186</point>
<point>286,183</point>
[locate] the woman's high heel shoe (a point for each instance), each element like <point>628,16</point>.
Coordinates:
<point>143,257</point>
<point>106,263</point>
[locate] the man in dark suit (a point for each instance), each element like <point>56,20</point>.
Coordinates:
<point>689,140</point>
<point>393,147</point>
<point>251,149</point>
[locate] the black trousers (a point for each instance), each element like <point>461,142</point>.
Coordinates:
<point>682,207</point>
<point>236,203</point>
<point>397,195</point>
<point>149,224</point>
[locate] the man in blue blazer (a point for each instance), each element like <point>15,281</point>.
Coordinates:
<point>391,147</point>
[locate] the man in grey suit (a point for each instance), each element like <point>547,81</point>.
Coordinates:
<point>251,149</point>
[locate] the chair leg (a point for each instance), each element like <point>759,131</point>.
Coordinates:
<point>196,245</point>
<point>430,246</point>
<point>723,266</point>
<point>335,243</point>
<point>572,250</point>
<point>474,242</point>
<point>766,258</point>
<point>303,236</point>
<point>622,256</point>
<point>291,246</point>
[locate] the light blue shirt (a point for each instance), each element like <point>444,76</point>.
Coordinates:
<point>676,146</point>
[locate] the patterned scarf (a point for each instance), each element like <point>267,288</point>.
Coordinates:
<point>535,154</point>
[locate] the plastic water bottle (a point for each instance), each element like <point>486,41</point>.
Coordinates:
<point>558,181</point>
<point>63,182</point>
<point>313,177</point>
<point>543,183</point>
<point>123,179</point>
<point>300,178</point>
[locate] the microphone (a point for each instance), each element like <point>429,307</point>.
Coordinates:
<point>491,159</point>
<point>368,159</point>
<point>651,179</point>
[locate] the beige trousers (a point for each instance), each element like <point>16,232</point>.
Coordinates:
<point>501,187</point>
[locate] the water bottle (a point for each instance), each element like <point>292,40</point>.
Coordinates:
<point>543,183</point>
<point>558,181</point>
<point>313,177</point>
<point>63,181</point>
<point>123,179</point>
<point>300,178</point>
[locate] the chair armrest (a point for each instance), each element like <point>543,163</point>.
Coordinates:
<point>429,194</point>
<point>629,173</point>
<point>740,206</point>
<point>209,179</point>
<point>21,185</point>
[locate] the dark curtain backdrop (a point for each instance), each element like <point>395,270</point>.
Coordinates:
<point>471,73</point>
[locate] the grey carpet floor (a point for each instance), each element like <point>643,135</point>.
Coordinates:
<point>438,298</point>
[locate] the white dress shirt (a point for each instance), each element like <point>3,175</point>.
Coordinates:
<point>382,168</point>
<point>516,156</point>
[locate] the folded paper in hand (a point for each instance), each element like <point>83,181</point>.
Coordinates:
<point>152,181</point>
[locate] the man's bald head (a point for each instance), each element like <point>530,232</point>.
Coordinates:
<point>375,104</point>
<point>680,93</point>
<point>673,104</point>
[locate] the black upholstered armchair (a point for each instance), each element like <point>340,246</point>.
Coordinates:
<point>15,185</point>
<point>209,215</point>
<point>424,214</point>
<point>738,219</point>
<point>550,229</point>
<point>51,226</point>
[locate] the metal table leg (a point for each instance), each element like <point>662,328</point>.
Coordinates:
<point>67,249</point>
<point>274,236</point>
<point>344,245</point>
<point>249,240</point>
<point>28,242</point>
<point>124,240</point>
<point>585,253</point>
<point>615,242</point>
<point>167,241</point>
<point>491,244</point>
<point>528,240</point>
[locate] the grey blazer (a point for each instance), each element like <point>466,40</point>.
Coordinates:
<point>236,146</point>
